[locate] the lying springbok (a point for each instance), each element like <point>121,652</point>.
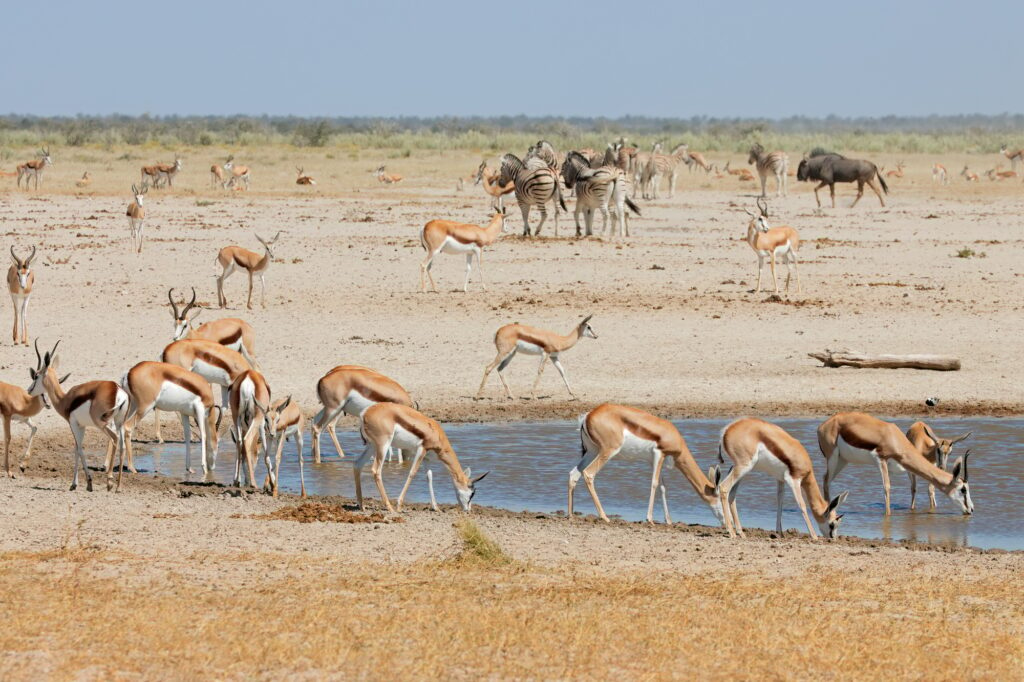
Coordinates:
<point>137,216</point>
<point>767,241</point>
<point>84,181</point>
<point>18,406</point>
<point>998,174</point>
<point>448,236</point>
<point>388,425</point>
<point>518,338</point>
<point>102,404</point>
<point>20,279</point>
<point>968,175</point>
<point>231,258</point>
<point>303,179</point>
<point>939,174</point>
<point>744,174</point>
<point>610,429</point>
<point>898,173</point>
<point>387,178</point>
<point>935,451</point>
<point>350,389</point>
<point>754,444</point>
<point>858,438</point>
<point>34,168</point>
<point>230,332</point>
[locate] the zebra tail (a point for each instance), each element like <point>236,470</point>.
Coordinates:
<point>632,206</point>
<point>561,201</point>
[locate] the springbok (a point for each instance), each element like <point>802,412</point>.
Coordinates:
<point>285,420</point>
<point>250,407</point>
<point>387,178</point>
<point>17,405</point>
<point>150,175</point>
<point>754,444</point>
<point>20,279</point>
<point>1015,156</point>
<point>102,404</point>
<point>744,174</point>
<point>898,173</point>
<point>767,241</point>
<point>858,438</point>
<point>34,168</point>
<point>491,184</point>
<point>84,181</point>
<point>448,236</point>
<point>968,175</point>
<point>350,389</point>
<point>137,216</point>
<point>998,174</point>
<point>230,332</point>
<point>167,171</point>
<point>518,338</point>
<point>387,425</point>
<point>303,179</point>
<point>217,176</point>
<point>610,429</point>
<point>231,258</point>
<point>939,174</point>
<point>237,173</point>
<point>935,451</point>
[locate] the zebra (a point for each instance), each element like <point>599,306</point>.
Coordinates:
<point>776,163</point>
<point>595,187</point>
<point>662,164</point>
<point>536,184</point>
<point>546,152</point>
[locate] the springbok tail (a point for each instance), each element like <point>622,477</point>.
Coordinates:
<point>249,358</point>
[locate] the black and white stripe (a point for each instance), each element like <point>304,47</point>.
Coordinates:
<point>775,163</point>
<point>595,189</point>
<point>536,184</point>
<point>662,164</point>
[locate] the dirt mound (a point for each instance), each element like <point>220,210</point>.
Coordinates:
<point>308,512</point>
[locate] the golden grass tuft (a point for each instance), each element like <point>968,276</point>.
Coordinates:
<point>479,547</point>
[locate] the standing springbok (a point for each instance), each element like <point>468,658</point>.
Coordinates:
<point>935,451</point>
<point>448,236</point>
<point>34,168</point>
<point>167,171</point>
<point>535,185</point>
<point>163,386</point>
<point>775,163</point>
<point>231,332</point>
<point>17,405</point>
<point>231,258</point>
<point>491,184</point>
<point>137,216</point>
<point>285,420</point>
<point>388,425</point>
<point>20,279</point>
<point>250,407</point>
<point>102,404</point>
<point>767,241</point>
<point>237,173</point>
<point>387,178</point>
<point>1015,156</point>
<point>350,389</point>
<point>303,179</point>
<point>610,429</point>
<point>217,176</point>
<point>518,338</point>
<point>150,175</point>
<point>754,444</point>
<point>939,174</point>
<point>858,438</point>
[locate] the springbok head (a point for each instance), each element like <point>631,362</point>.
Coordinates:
<point>958,490</point>
<point>465,495</point>
<point>586,331</point>
<point>23,266</point>
<point>47,159</point>
<point>829,522</point>
<point>268,244</point>
<point>943,446</point>
<point>45,370</point>
<point>759,221</point>
<point>182,321</point>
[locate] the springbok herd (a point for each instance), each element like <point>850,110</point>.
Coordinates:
<point>222,352</point>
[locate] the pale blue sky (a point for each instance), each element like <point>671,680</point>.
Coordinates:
<point>496,57</point>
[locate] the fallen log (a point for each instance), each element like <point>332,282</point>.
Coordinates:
<point>849,358</point>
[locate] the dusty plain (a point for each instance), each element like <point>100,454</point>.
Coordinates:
<point>680,333</point>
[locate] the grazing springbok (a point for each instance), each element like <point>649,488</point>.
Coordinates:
<point>610,429</point>
<point>20,279</point>
<point>536,184</point>
<point>18,406</point>
<point>237,173</point>
<point>858,438</point>
<point>231,332</point>
<point>828,169</point>
<point>696,159</point>
<point>137,216</point>
<point>754,444</point>
<point>34,168</point>
<point>350,389</point>
<point>774,163</point>
<point>387,178</point>
<point>102,404</point>
<point>163,386</point>
<point>968,175</point>
<point>250,407</point>
<point>898,173</point>
<point>388,425</point>
<point>771,242</point>
<point>303,179</point>
<point>518,338</point>
<point>1015,156</point>
<point>491,184</point>
<point>448,236</point>
<point>939,174</point>
<point>217,176</point>
<point>167,171</point>
<point>935,451</point>
<point>231,258</point>
<point>84,181</point>
<point>285,420</point>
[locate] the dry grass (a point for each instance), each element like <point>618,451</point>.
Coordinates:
<point>92,615</point>
<point>478,547</point>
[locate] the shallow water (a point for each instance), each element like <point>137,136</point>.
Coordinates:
<point>529,463</point>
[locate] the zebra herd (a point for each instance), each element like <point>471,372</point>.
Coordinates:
<point>606,182</point>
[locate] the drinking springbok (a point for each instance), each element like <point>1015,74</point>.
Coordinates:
<point>250,406</point>
<point>18,406</point>
<point>935,451</point>
<point>102,404</point>
<point>858,438</point>
<point>387,425</point>
<point>285,420</point>
<point>136,216</point>
<point>519,338</point>
<point>20,279</point>
<point>767,241</point>
<point>34,168</point>
<point>610,429</point>
<point>231,258</point>
<point>448,236</point>
<point>754,444</point>
<point>350,389</point>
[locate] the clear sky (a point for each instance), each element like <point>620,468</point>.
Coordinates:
<point>497,57</point>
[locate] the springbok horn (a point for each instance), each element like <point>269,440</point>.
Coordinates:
<point>31,256</point>
<point>174,306</point>
<point>14,255</point>
<point>39,358</point>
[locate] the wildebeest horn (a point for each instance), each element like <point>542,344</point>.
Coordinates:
<point>174,306</point>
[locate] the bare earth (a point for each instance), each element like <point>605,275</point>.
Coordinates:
<point>680,333</point>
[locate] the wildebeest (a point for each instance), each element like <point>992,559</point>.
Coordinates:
<point>829,168</point>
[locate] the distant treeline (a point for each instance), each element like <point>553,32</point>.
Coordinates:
<point>931,134</point>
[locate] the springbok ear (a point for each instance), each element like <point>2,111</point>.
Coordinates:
<point>586,319</point>
<point>195,314</point>
<point>931,434</point>
<point>957,467</point>
<point>284,404</point>
<point>836,501</point>
<point>750,213</point>
<point>478,478</point>
<point>715,474</point>
<point>55,361</point>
